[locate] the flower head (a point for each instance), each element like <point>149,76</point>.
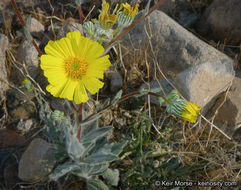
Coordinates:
<point>106,19</point>
<point>27,84</point>
<point>129,10</point>
<point>128,14</point>
<point>186,110</point>
<point>72,65</point>
<point>190,112</point>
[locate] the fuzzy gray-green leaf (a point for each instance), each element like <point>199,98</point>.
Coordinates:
<point>116,98</point>
<point>63,170</point>
<point>100,157</point>
<point>112,176</point>
<point>95,184</point>
<point>117,148</point>
<point>95,134</point>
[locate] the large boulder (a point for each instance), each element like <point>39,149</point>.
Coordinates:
<point>202,83</point>
<point>222,21</point>
<point>175,48</point>
<point>230,111</point>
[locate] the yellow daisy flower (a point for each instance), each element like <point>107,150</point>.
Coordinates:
<point>129,10</point>
<point>190,112</point>
<point>186,110</point>
<point>126,16</point>
<point>107,20</point>
<point>72,65</point>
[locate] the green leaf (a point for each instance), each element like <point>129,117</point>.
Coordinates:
<point>161,101</point>
<point>142,93</point>
<point>100,143</point>
<point>96,184</point>
<point>100,157</point>
<point>102,105</point>
<point>147,7</point>
<point>74,148</point>
<point>91,120</point>
<point>88,169</point>
<point>117,148</point>
<point>116,98</point>
<point>173,95</point>
<point>95,134</point>
<point>28,21</point>
<point>63,169</point>
<point>112,176</point>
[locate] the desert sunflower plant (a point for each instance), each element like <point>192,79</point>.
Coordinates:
<point>74,67</point>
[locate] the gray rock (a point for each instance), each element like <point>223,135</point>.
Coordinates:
<point>28,55</point>
<point>24,126</point>
<point>3,71</point>
<point>36,28</point>
<point>230,112</point>
<point>176,49</point>
<point>222,20</point>
<point>37,161</point>
<point>201,84</point>
<point>116,81</point>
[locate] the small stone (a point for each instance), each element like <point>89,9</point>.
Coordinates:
<point>3,71</point>
<point>116,81</point>
<point>202,83</point>
<point>24,126</point>
<point>28,55</point>
<point>37,161</point>
<point>36,28</point>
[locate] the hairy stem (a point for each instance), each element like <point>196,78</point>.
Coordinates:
<point>73,106</point>
<point>24,25</point>
<point>123,98</point>
<point>81,15</point>
<point>80,119</point>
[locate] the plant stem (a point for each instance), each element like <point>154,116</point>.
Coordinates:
<point>73,106</point>
<point>81,15</point>
<point>134,24</point>
<point>80,119</point>
<point>123,98</point>
<point>24,25</point>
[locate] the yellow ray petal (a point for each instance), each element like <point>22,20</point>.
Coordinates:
<point>61,48</point>
<point>95,50</point>
<point>80,94</point>
<point>49,61</point>
<point>75,39</point>
<point>101,63</point>
<point>68,90</point>
<point>97,67</point>
<point>92,84</point>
